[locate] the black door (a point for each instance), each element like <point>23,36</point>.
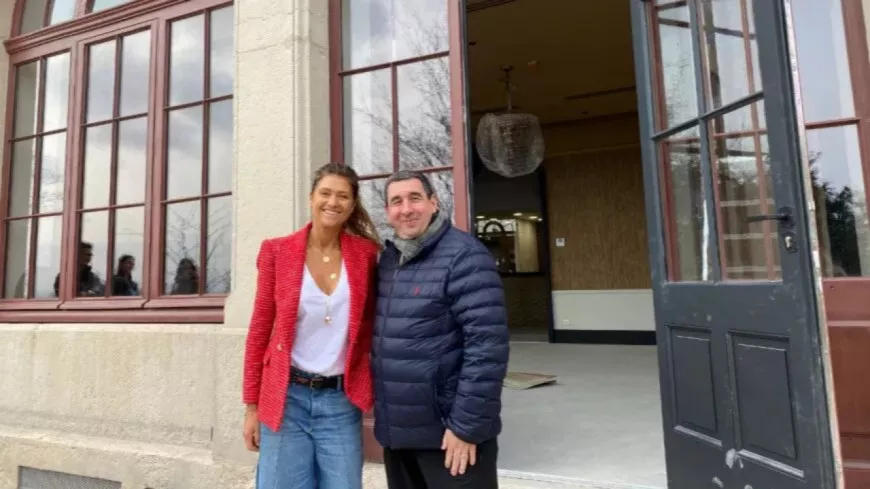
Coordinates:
<point>743,386</point>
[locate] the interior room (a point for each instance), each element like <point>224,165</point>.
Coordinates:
<point>569,234</point>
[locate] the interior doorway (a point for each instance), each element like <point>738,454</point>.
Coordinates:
<point>571,241</point>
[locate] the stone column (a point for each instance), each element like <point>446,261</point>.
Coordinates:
<point>281,133</point>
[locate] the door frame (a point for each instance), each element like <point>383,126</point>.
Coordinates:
<point>793,138</point>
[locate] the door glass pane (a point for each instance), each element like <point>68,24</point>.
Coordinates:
<point>48,241</point>
<point>129,247</point>
<point>27,78</point>
<point>380,31</point>
<point>841,202</point>
<point>222,56</point>
<point>740,156</point>
<point>56,93</point>
<point>368,122</point>
<point>93,254</point>
<point>823,61</point>
<point>730,65</point>
<point>675,73</point>
<point>424,114</point>
<point>685,212</point>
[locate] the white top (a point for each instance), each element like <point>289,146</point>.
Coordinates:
<point>320,347</point>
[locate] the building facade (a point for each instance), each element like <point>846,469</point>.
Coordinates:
<point>136,379</point>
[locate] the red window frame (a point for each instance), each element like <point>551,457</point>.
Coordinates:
<point>73,37</point>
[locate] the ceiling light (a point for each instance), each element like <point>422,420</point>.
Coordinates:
<point>481,217</point>
<point>533,217</point>
<point>518,214</point>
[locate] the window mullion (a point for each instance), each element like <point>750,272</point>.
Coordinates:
<point>156,160</point>
<point>77,97</point>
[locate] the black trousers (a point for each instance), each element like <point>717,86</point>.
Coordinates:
<point>424,469</point>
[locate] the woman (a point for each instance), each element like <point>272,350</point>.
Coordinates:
<point>307,375</point>
<point>122,282</point>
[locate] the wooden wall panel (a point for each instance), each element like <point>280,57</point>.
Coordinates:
<point>595,201</point>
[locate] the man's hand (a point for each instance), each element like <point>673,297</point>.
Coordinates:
<point>458,455</point>
<point>251,429</point>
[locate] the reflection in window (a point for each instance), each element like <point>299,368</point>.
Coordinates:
<point>513,242</point>
<point>34,16</point>
<point>98,5</point>
<point>380,31</point>
<point>36,184</point>
<point>688,215</point>
<point>197,213</point>
<point>823,60</point>
<point>841,203</point>
<point>677,75</point>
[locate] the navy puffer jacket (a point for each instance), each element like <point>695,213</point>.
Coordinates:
<point>440,348</point>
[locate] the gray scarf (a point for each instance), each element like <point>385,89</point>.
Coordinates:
<point>409,248</point>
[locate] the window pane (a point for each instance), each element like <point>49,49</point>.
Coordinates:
<point>101,81</point>
<point>379,31</point>
<point>219,247</point>
<point>132,161</point>
<point>184,163</point>
<point>56,93</point>
<point>17,258</point>
<point>823,60</point>
<point>220,147</point>
<point>62,11</point>
<point>424,114</point>
<point>26,93</point>
<point>841,202</point>
<point>728,44</point>
<point>222,55</point>
<point>687,214</point>
<point>104,4</point>
<point>48,251</point>
<point>182,252</point>
<point>93,250</point>
<point>34,15</point>
<point>371,194</point>
<point>187,60</point>
<point>21,178</point>
<point>676,74</point>
<point>129,245</point>
<point>98,166</point>
<point>368,122</point>
<point>51,178</point>
<point>135,73</point>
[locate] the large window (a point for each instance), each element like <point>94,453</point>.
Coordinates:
<point>118,161</point>
<point>397,98</point>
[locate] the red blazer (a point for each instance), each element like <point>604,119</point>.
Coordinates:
<point>280,266</point>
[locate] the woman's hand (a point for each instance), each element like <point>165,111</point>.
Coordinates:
<point>251,431</point>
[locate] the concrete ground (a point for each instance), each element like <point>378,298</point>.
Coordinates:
<point>599,425</point>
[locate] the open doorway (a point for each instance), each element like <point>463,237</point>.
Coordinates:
<point>571,242</point>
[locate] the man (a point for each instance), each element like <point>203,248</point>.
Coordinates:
<point>440,347</point>
<point>88,284</point>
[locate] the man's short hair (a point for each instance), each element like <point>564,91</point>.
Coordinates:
<point>86,245</point>
<point>405,175</point>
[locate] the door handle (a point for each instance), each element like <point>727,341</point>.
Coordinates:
<point>784,216</point>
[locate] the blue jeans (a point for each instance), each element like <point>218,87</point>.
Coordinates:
<point>318,446</point>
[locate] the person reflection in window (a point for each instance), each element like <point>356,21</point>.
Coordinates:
<point>88,284</point>
<point>186,278</point>
<point>122,282</point>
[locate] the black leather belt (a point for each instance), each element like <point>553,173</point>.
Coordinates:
<point>315,381</point>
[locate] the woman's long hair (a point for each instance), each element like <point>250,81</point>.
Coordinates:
<point>359,222</point>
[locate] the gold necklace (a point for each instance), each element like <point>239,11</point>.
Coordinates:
<point>325,258</point>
